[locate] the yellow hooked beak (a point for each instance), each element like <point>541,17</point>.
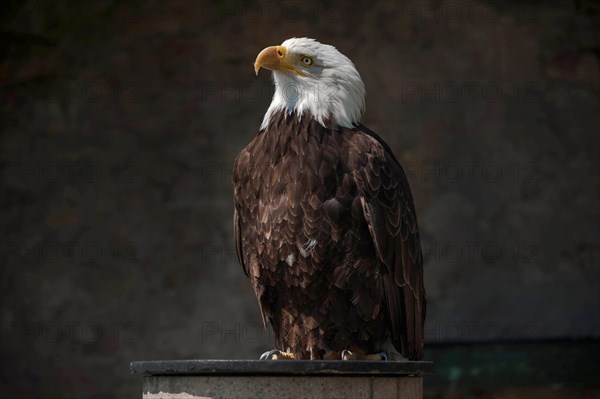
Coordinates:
<point>276,58</point>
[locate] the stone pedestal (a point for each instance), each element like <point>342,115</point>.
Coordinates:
<point>268,379</point>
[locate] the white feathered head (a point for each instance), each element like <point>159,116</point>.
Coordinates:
<point>315,78</point>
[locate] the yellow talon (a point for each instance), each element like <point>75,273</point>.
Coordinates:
<point>348,355</point>
<point>284,356</point>
<point>277,355</point>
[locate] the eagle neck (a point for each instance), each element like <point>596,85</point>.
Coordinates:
<point>329,103</point>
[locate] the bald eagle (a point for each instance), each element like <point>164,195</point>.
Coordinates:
<point>324,220</point>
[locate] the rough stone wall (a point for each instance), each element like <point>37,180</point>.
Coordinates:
<point>120,123</point>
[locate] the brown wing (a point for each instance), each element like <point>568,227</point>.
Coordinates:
<point>238,239</point>
<point>238,177</point>
<point>242,180</point>
<point>390,214</point>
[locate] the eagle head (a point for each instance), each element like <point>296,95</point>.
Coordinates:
<point>313,78</point>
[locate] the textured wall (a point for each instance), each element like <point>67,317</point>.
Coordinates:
<point>120,123</point>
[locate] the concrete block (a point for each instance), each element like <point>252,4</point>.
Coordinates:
<point>237,379</point>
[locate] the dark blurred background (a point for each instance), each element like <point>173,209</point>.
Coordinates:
<point>120,123</point>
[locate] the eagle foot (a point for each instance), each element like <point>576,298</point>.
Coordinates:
<point>347,355</point>
<point>276,354</point>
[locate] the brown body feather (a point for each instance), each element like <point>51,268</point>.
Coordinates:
<point>325,227</point>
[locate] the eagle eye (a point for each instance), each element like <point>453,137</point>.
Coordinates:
<point>307,61</point>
